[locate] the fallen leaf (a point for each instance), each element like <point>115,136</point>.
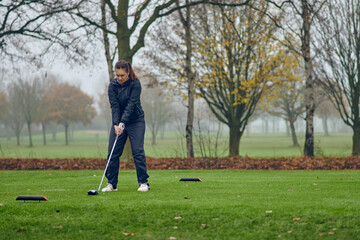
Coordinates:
<point>177,217</point>
<point>215,219</point>
<point>269,211</point>
<point>331,233</point>
<point>320,234</point>
<point>334,229</point>
<point>340,179</point>
<point>20,230</point>
<point>204,226</point>
<point>172,238</point>
<point>290,231</point>
<point>1,204</point>
<point>314,184</point>
<point>128,234</point>
<point>58,227</point>
<point>296,219</point>
<point>175,227</point>
<point>318,189</point>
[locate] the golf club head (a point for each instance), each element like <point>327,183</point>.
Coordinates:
<point>93,192</point>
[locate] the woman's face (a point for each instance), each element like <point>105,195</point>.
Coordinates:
<point>121,75</point>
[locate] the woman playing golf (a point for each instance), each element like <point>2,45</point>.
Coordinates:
<point>128,121</point>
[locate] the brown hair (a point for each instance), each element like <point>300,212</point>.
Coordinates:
<point>127,66</point>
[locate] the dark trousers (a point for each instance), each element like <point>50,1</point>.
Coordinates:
<point>135,132</point>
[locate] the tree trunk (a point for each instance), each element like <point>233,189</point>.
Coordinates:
<point>66,125</point>
<point>106,41</point>
<point>248,130</point>
<point>266,126</point>
<point>162,132</point>
<point>17,133</point>
<point>309,89</point>
<point>153,137</point>
<point>293,133</point>
<point>356,127</point>
<point>123,32</point>
<point>30,137</point>
<point>190,79</point>
<point>356,140</point>
<point>273,125</point>
<point>53,128</point>
<point>234,141</point>
<point>124,53</point>
<point>309,135</point>
<point>287,128</point>
<point>325,126</point>
<point>44,133</point>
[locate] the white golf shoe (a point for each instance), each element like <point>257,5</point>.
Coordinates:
<point>143,187</point>
<point>109,188</point>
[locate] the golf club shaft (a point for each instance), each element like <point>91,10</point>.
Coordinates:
<point>107,164</point>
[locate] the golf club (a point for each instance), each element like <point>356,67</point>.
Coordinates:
<point>94,192</point>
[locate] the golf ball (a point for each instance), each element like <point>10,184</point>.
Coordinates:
<point>103,190</point>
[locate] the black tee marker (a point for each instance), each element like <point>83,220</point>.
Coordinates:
<point>190,180</point>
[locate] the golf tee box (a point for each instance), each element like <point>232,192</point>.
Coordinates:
<point>190,180</point>
<point>31,198</point>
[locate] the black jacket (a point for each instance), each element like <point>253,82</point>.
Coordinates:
<point>125,101</point>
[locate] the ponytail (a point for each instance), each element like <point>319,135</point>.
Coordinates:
<point>122,64</point>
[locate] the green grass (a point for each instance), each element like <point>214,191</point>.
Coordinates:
<point>87,144</point>
<point>226,205</point>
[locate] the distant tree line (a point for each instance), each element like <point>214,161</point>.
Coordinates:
<point>43,100</point>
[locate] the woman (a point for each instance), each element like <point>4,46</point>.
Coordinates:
<point>128,121</point>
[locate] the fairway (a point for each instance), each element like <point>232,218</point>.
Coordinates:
<point>87,144</point>
<point>226,205</point>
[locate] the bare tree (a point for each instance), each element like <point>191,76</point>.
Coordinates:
<point>339,61</point>
<point>31,19</point>
<point>301,17</point>
<point>286,99</point>
<point>290,106</point>
<point>128,19</point>
<point>14,117</point>
<point>28,92</point>
<point>3,105</point>
<point>172,54</point>
<point>46,83</point>
<point>190,77</point>
<point>326,111</point>
<point>158,110</point>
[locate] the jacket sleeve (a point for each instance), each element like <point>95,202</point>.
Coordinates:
<point>134,98</point>
<point>114,104</point>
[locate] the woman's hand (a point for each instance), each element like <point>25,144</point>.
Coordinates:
<point>118,131</point>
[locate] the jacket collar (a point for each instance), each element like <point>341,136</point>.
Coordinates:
<point>116,82</point>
